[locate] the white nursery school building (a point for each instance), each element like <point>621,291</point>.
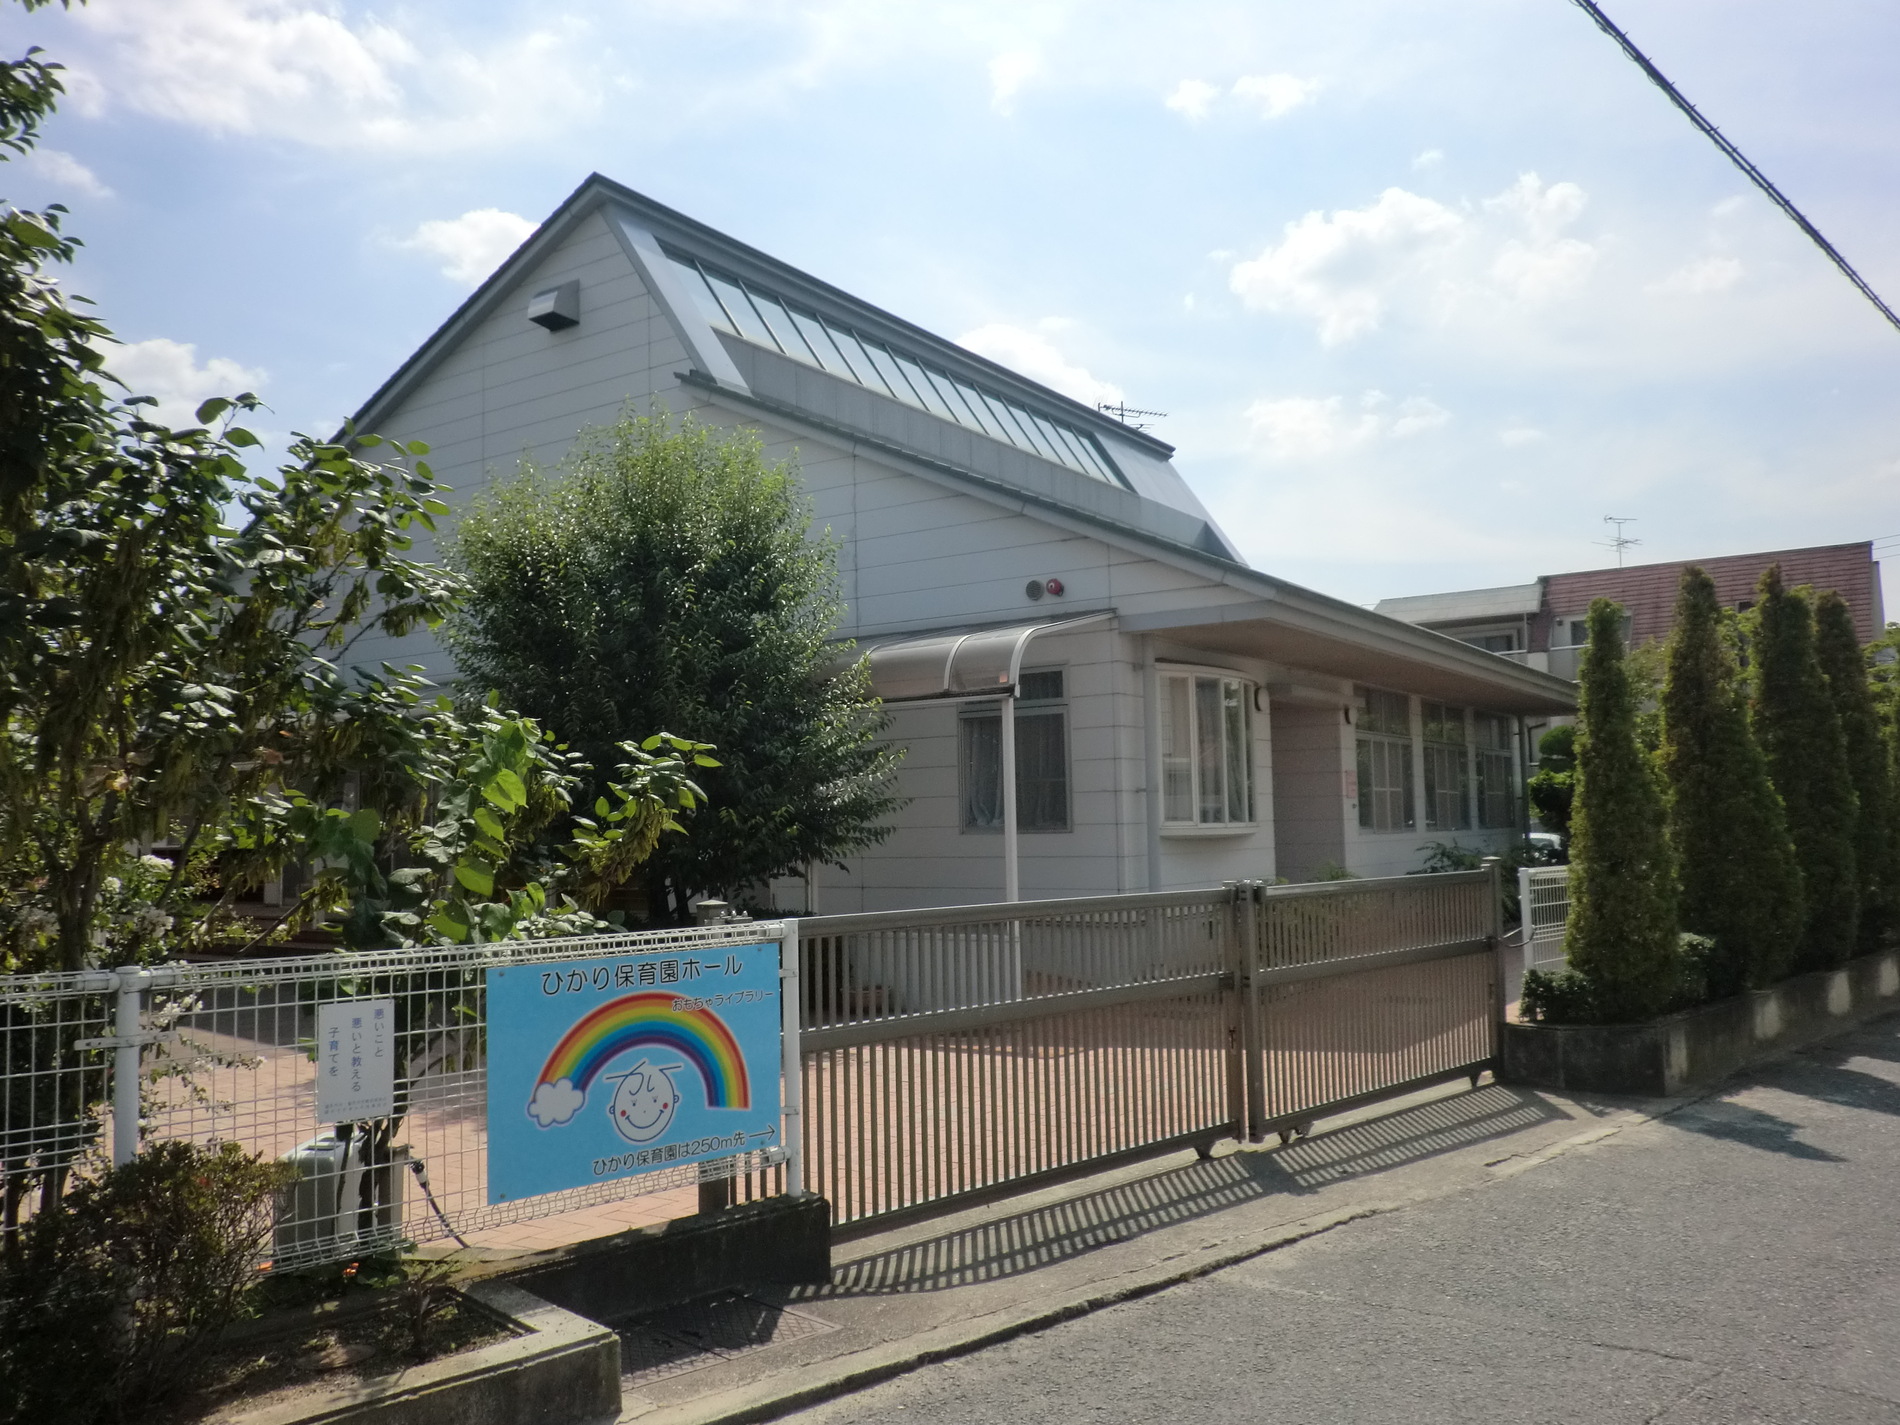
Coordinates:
<point>1035,583</point>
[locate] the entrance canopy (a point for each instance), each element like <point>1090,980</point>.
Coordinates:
<point>956,663</point>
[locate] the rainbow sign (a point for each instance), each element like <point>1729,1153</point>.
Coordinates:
<point>630,1063</point>
<point>649,1021</point>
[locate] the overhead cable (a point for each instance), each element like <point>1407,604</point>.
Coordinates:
<point>1736,156</point>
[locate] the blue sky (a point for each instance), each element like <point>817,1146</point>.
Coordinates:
<point>1425,290</point>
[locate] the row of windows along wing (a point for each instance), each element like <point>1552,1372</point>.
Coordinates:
<point>756,316</point>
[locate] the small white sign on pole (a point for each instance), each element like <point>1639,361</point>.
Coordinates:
<point>356,1060</point>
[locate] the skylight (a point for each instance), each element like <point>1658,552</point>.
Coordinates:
<point>757,316</point>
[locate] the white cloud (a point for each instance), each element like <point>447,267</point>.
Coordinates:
<point>1699,278</point>
<point>1338,270</point>
<point>170,371</point>
<point>1346,270</point>
<point>1521,435</point>
<point>64,171</point>
<point>1035,356</point>
<point>1193,98</point>
<point>1431,158</point>
<point>1309,427</point>
<point>1267,96</point>
<point>473,245</point>
<point>1009,72</point>
<point>555,1103</point>
<point>306,71</point>
<point>1272,95</point>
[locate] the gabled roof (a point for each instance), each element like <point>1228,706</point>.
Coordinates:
<point>1157,514</point>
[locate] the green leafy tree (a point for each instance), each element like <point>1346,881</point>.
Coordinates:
<point>1621,938</point>
<point>1845,666</point>
<point>1737,877</point>
<point>666,578</point>
<point>1553,788</point>
<point>1799,729</point>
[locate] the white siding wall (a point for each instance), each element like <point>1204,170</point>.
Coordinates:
<point>510,389</point>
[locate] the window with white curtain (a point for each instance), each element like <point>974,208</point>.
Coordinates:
<point>1206,750</point>
<point>1497,772</point>
<point>1384,724</point>
<point>1042,758</point>
<point>1447,769</point>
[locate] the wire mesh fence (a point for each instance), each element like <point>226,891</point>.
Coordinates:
<point>947,1055</point>
<point>228,1054</point>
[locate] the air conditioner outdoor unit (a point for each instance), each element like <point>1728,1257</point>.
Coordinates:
<point>347,1196</point>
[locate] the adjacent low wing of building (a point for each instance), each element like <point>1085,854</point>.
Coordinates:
<point>1033,583</point>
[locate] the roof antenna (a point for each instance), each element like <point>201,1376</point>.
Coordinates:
<point>1619,541</point>
<point>1122,413</point>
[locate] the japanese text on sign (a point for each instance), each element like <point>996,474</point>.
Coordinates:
<point>356,1060</point>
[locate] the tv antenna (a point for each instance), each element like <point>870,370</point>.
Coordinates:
<point>1123,413</point>
<point>1619,541</point>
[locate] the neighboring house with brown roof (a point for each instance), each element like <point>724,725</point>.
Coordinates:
<point>1542,624</point>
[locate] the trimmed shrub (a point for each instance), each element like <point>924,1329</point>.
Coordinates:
<point>1622,932</point>
<point>1566,997</point>
<point>1845,667</point>
<point>109,1300</point>
<point>1799,730</point>
<point>1737,881</point>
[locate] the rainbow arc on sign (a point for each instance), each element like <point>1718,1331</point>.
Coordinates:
<point>650,1021</point>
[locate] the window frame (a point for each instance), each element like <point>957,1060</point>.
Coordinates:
<point>1245,691</point>
<point>1442,754</point>
<point>1489,759</point>
<point>1376,741</point>
<point>1027,710</point>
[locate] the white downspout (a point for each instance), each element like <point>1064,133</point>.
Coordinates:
<point>1012,882</point>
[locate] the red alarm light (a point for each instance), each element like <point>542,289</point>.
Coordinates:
<point>1054,586</point>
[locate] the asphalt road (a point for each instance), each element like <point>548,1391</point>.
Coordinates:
<point>1736,1261</point>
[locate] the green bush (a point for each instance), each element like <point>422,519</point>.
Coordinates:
<point>1566,997</point>
<point>109,1301</point>
<point>1622,927</point>
<point>1553,788</point>
<point>1842,662</point>
<point>1798,728</point>
<point>1736,875</point>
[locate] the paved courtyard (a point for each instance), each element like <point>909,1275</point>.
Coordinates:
<point>1737,1260</point>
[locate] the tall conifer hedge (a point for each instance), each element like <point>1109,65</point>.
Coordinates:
<point>1842,662</point>
<point>1800,731</point>
<point>1622,931</point>
<point>1737,878</point>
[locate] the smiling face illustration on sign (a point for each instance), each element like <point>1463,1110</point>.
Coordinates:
<point>643,1102</point>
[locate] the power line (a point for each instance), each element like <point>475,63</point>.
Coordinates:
<point>1755,175</point>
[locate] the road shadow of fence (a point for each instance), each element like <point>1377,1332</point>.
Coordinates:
<point>1025,1241</point>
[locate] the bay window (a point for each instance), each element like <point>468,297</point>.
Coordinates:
<point>1206,750</point>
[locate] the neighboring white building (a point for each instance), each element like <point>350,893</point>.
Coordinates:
<point>1179,718</point>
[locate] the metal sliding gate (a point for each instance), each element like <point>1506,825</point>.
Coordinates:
<point>955,1054</point>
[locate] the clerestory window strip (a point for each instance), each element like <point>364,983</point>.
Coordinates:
<point>769,321</point>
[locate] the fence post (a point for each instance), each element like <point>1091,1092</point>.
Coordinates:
<point>791,1007</point>
<point>128,1042</point>
<point>1500,951</point>
<point>1252,1050</point>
